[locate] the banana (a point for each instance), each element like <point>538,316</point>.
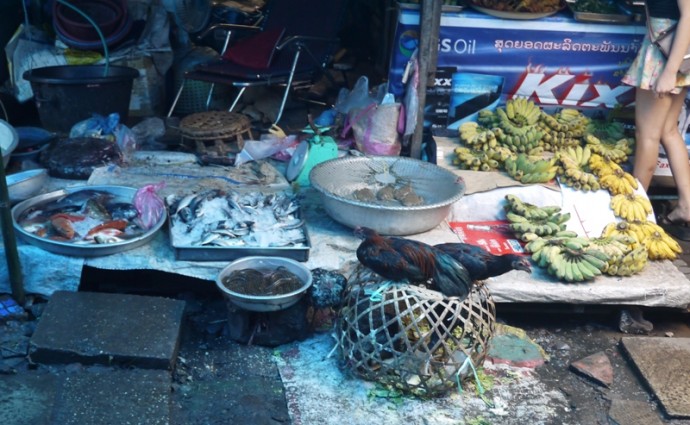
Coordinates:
<point>576,272</point>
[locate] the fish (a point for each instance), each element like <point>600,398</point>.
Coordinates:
<point>79,216</point>
<point>233,218</point>
<point>122,210</point>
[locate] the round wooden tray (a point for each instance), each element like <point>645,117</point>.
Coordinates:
<point>214,125</point>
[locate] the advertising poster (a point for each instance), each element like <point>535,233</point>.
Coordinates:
<point>483,61</point>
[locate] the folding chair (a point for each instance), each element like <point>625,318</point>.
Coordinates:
<point>292,47</point>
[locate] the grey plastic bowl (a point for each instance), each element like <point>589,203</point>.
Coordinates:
<point>266,302</point>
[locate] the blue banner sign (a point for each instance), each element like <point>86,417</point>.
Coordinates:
<point>554,61</point>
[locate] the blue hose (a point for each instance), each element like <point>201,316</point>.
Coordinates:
<point>98,30</point>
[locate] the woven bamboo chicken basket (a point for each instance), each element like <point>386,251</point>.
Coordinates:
<point>411,338</point>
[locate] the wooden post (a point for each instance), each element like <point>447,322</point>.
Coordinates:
<point>429,25</point>
<point>9,239</point>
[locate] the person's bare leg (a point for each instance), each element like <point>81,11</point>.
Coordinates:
<point>650,116</point>
<point>674,144</point>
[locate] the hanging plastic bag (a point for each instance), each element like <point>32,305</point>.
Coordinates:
<point>376,129</point>
<point>356,99</point>
<point>149,205</point>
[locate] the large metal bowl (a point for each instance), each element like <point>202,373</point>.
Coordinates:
<point>8,141</point>
<point>124,193</point>
<point>266,302</point>
<point>337,180</point>
<point>25,184</point>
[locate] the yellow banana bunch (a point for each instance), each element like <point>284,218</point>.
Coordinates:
<point>622,228</point>
<point>660,246</point>
<point>619,182</point>
<point>515,124</point>
<point>601,166</point>
<point>631,207</point>
<point>616,151</point>
<point>575,170</point>
<point>477,137</point>
<point>632,262</point>
<point>563,129</point>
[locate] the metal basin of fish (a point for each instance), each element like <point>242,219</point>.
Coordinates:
<point>121,194</point>
<point>265,302</point>
<point>225,225</point>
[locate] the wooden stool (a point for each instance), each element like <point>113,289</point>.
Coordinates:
<point>216,133</point>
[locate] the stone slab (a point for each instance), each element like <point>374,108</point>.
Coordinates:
<point>97,328</point>
<point>108,395</point>
<point>596,367</point>
<point>628,412</point>
<point>26,399</point>
<point>664,366</point>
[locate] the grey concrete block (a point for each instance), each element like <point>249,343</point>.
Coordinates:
<point>109,329</point>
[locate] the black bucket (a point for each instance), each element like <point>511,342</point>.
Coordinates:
<point>68,94</point>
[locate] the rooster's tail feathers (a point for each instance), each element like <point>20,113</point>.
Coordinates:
<point>451,277</point>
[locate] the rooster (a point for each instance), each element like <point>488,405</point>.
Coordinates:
<point>401,259</point>
<point>481,264</point>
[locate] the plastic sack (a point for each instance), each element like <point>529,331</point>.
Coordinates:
<point>357,98</point>
<point>268,146</point>
<point>376,129</point>
<point>148,131</point>
<point>108,128</point>
<point>149,205</point>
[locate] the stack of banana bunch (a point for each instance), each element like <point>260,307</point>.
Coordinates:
<point>633,209</point>
<point>515,125</point>
<point>526,218</point>
<point>563,129</point>
<point>568,257</point>
<point>647,235</point>
<point>612,176</point>
<point>481,151</point>
<point>531,169</point>
<point>626,255</point>
<point>575,169</point>
<point>607,139</point>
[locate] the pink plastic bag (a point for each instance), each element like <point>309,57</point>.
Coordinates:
<point>375,129</point>
<point>150,206</point>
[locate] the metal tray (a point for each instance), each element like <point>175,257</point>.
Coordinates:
<point>82,250</point>
<point>444,8</point>
<point>220,253</point>
<point>625,16</point>
<point>514,15</point>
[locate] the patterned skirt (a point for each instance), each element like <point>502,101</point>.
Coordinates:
<point>649,63</point>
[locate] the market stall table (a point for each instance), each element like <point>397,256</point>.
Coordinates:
<point>333,247</point>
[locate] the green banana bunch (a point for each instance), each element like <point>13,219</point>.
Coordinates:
<point>526,169</point>
<point>576,265</point>
<point>477,160</point>
<point>526,218</point>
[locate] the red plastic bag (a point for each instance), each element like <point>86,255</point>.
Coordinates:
<point>150,206</point>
